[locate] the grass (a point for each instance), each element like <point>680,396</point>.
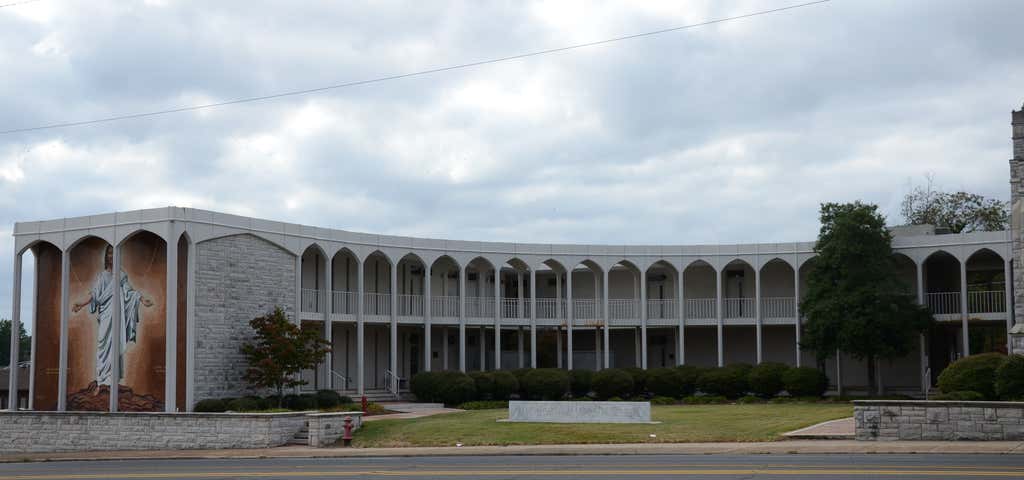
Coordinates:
<point>681,423</point>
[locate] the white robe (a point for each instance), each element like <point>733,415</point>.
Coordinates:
<point>102,297</point>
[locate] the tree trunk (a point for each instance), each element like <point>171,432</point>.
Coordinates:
<point>280,396</point>
<point>872,387</point>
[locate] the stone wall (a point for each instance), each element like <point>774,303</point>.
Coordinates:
<point>326,428</point>
<point>938,420</point>
<point>27,432</point>
<point>237,278</point>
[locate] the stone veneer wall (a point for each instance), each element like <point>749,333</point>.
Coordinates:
<point>938,420</point>
<point>237,278</point>
<point>27,432</point>
<point>326,428</point>
<point>1017,211</point>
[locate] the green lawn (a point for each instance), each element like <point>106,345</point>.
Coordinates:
<point>683,423</point>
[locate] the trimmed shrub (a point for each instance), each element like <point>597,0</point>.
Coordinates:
<point>345,400</point>
<point>705,399</point>
<point>424,386</point>
<point>976,373</point>
<point>615,399</point>
<point>639,379</point>
<point>805,382</point>
<point>327,399</point>
<point>688,376</point>
<point>580,382</point>
<point>519,373</point>
<point>766,379</point>
<point>210,405</point>
<point>449,388</point>
<point>306,401</point>
<point>965,396</point>
<point>663,401</point>
<point>1010,378</point>
<point>665,382</point>
<point>484,382</point>
<point>484,405</point>
<point>288,400</point>
<point>613,382</point>
<point>727,382</point>
<point>503,385</point>
<point>749,399</point>
<point>546,383</point>
<point>244,404</point>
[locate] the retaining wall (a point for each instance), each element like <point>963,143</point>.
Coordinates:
<point>938,420</point>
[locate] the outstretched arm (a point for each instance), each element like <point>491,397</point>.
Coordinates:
<point>78,306</point>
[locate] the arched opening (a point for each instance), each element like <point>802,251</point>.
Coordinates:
<point>986,302</point>
<point>941,273</point>
<point>778,311</point>
<point>583,341</point>
<point>550,313</point>
<point>377,284</point>
<point>699,302</point>
<point>480,310</point>
<point>38,317</point>
<point>344,272</point>
<point>444,310</point>
<point>662,314</point>
<point>739,313</point>
<point>411,286</point>
<point>515,316</point>
<point>313,278</point>
<point>624,315</point>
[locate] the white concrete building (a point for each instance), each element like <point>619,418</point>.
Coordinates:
<point>393,306</point>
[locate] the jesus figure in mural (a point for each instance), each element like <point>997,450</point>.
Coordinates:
<point>100,302</point>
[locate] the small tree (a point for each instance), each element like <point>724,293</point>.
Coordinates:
<point>281,349</point>
<point>957,211</point>
<point>855,301</point>
<point>24,345</point>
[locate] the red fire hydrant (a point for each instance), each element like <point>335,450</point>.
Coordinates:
<point>347,437</point>
<point>364,404</point>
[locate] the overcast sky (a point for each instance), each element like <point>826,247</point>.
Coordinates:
<point>729,133</point>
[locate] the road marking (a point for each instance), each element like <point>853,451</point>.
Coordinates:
<point>958,473</point>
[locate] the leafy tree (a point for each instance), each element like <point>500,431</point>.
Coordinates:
<point>24,348</point>
<point>280,351</point>
<point>855,302</point>
<point>957,211</point>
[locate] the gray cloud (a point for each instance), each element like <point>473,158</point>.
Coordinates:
<point>727,133</point>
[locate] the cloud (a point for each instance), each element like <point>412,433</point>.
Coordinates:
<point>733,132</point>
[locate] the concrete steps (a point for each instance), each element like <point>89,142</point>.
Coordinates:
<point>301,437</point>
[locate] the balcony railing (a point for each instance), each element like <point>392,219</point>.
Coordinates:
<point>410,305</point>
<point>345,303</point>
<point>702,308</point>
<point>377,304</point>
<point>993,301</point>
<point>944,303</point>
<point>623,308</point>
<point>778,307</point>
<point>479,307</point>
<point>662,308</point>
<point>586,309</point>
<point>738,308</point>
<point>510,308</point>
<point>310,300</point>
<point>547,308</point>
<point>444,307</point>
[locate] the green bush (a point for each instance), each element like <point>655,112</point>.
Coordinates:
<point>327,399</point>
<point>210,405</point>
<point>503,385</point>
<point>615,399</point>
<point>484,382</point>
<point>805,382</point>
<point>304,402</point>
<point>484,405</point>
<point>639,379</point>
<point>613,382</point>
<point>965,396</point>
<point>424,386</point>
<point>665,382</point>
<point>345,399</point>
<point>976,373</point>
<point>546,383</point>
<point>663,401</point>
<point>580,382</point>
<point>244,404</point>
<point>449,388</point>
<point>766,379</point>
<point>288,400</point>
<point>727,382</point>
<point>1010,378</point>
<point>705,399</point>
<point>688,376</point>
<point>519,373</point>
<point>749,399</point>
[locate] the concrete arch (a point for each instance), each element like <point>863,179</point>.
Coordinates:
<point>488,262</point>
<point>689,262</point>
<point>412,256</point>
<point>735,261</point>
<point>447,257</point>
<point>518,264</point>
<point>37,242</point>
<point>940,251</point>
<point>553,264</point>
<point>980,250</point>
<point>124,238</point>
<point>347,252</point>
<point>775,260</point>
<point>592,265</point>
<point>266,238</point>
<point>381,253</point>
<point>316,246</point>
<point>664,263</point>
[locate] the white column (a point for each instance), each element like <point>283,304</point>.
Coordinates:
<point>607,317</point>
<point>1007,282</point>
<point>643,319</point>
<point>497,317</point>
<point>796,310</point>
<point>519,346</point>
<point>360,328</point>
<point>558,346</point>
<point>65,305</point>
<point>519,288</point>
<point>533,317</point>
<point>12,383</point>
<point>444,349</point>
<point>428,344</point>
<point>328,303</point>
<point>922,355</point>
<point>569,316</point>
<point>462,318</point>
<point>190,321</point>
<point>597,347</point>
<point>965,331</point>
<point>394,320</point>
<point>558,319</point>
<point>681,305</point>
<point>118,327</point>
<point>483,348</point>
<point>171,324</point>
<point>757,316</point>
<point>297,316</point>
<point>718,314</point>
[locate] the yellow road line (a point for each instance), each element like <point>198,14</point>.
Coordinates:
<point>535,473</point>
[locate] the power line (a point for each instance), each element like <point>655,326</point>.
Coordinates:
<point>404,75</point>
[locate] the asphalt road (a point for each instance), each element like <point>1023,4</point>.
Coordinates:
<point>539,467</point>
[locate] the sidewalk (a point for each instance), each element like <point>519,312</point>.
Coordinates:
<point>753,448</point>
<point>842,429</point>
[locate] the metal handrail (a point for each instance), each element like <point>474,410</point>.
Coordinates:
<point>344,379</point>
<point>393,383</point>
<point>310,300</point>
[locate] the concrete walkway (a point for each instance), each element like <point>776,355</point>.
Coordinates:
<point>752,448</point>
<point>410,410</point>
<point>842,429</point>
